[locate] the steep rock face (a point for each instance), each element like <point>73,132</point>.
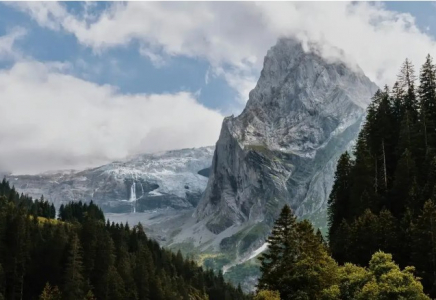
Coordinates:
<point>302,114</point>
<point>144,182</point>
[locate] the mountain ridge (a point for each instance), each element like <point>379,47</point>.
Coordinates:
<point>156,180</point>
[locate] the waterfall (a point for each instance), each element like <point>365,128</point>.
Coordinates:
<point>142,190</point>
<point>133,196</point>
<point>133,192</point>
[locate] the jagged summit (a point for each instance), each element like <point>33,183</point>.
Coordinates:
<point>302,114</point>
<point>296,87</point>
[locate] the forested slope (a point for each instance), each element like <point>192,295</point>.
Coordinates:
<point>80,256</point>
<point>384,193</point>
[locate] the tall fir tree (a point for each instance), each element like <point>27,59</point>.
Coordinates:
<point>427,98</point>
<point>424,247</point>
<point>74,283</point>
<point>281,252</point>
<point>340,195</point>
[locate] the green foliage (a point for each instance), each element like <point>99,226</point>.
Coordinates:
<point>296,262</point>
<point>50,293</point>
<point>382,280</point>
<point>267,295</point>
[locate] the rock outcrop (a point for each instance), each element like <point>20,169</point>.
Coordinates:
<point>303,113</point>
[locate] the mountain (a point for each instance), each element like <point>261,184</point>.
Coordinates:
<point>282,149</point>
<point>174,179</point>
<point>303,113</point>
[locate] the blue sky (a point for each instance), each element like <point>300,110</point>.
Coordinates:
<point>94,82</point>
<point>125,68</point>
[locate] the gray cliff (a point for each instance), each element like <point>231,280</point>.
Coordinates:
<point>302,115</point>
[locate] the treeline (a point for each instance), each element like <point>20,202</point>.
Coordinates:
<point>384,194</point>
<point>297,266</point>
<point>79,211</point>
<point>80,256</point>
<point>37,208</point>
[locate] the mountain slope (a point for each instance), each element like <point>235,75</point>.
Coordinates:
<point>173,179</point>
<point>303,113</point>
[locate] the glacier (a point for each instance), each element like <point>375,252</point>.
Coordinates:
<point>139,183</point>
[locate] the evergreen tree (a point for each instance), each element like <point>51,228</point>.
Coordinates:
<point>404,177</point>
<point>340,196</point>
<point>363,177</point>
<point>364,238</point>
<point>281,252</point>
<point>407,79</point>
<point>313,271</point>
<point>387,232</point>
<point>297,265</point>
<point>427,97</point>
<point>50,293</point>
<point>424,246</point>
<point>74,284</point>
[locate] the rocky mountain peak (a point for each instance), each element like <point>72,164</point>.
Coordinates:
<point>303,113</point>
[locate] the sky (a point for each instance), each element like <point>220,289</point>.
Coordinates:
<point>86,83</point>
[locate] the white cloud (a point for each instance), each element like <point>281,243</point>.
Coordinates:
<point>156,59</point>
<point>238,34</point>
<point>56,121</point>
<point>81,121</point>
<point>7,44</point>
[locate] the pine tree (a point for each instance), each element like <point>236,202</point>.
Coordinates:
<point>340,243</point>
<point>404,177</point>
<point>365,239</point>
<point>364,183</point>
<point>397,95</point>
<point>314,269</point>
<point>125,270</point>
<point>281,252</point>
<point>50,293</point>
<point>424,246</point>
<point>387,232</point>
<point>405,239</point>
<point>143,272</point>
<point>297,264</point>
<point>407,79</point>
<point>74,284</point>
<point>427,97</point>
<point>339,199</point>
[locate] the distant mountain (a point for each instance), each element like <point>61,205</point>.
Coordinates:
<point>173,179</point>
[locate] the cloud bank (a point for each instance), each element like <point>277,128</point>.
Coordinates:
<point>52,120</point>
<point>55,120</point>
<point>236,35</point>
